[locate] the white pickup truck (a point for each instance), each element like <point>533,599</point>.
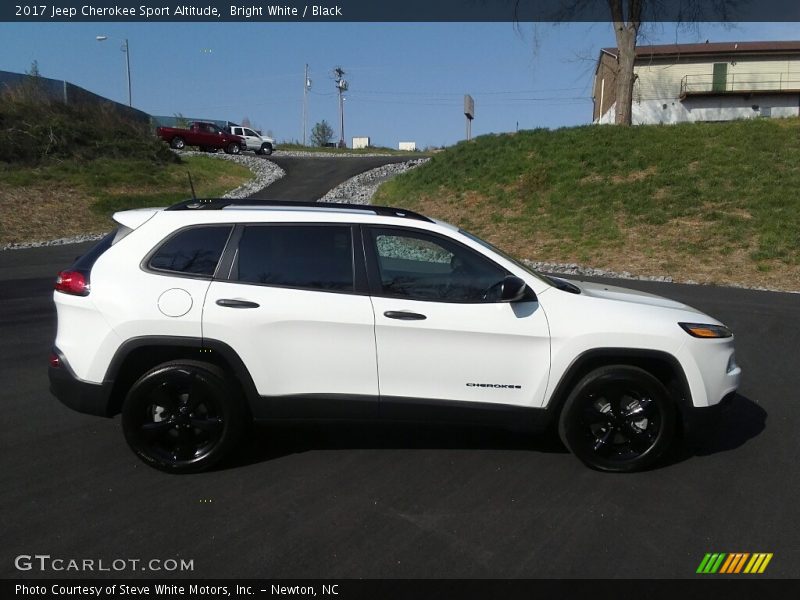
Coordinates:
<point>257,143</point>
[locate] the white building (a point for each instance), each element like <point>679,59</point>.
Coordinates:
<point>675,83</point>
<point>360,142</point>
<point>408,146</point>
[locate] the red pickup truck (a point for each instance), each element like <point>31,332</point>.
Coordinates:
<point>205,135</point>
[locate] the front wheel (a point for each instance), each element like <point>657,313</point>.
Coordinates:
<point>233,149</point>
<point>183,416</point>
<point>266,149</point>
<point>618,418</point>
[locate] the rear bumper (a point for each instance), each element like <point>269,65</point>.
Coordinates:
<point>79,395</point>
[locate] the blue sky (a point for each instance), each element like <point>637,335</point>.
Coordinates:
<point>406,80</point>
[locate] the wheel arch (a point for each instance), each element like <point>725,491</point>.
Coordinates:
<point>662,365</point>
<point>138,355</point>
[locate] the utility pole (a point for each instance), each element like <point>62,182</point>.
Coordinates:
<point>341,87</point>
<point>126,48</point>
<point>306,87</point>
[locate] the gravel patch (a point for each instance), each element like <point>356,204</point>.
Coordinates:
<point>87,237</point>
<point>576,269</point>
<point>264,174</point>
<point>361,188</point>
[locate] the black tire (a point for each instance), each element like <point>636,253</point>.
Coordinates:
<point>233,149</point>
<point>618,418</point>
<point>183,416</point>
<point>178,143</point>
<point>266,149</point>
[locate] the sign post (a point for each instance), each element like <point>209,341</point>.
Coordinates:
<point>469,113</point>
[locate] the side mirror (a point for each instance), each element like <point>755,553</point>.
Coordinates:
<point>514,289</point>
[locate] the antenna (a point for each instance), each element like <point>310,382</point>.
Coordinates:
<point>191,185</point>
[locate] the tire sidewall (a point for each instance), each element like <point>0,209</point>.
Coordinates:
<point>572,434</point>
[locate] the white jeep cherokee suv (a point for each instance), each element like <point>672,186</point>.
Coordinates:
<point>196,319</point>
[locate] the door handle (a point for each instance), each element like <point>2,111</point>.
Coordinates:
<point>230,303</point>
<point>404,316</point>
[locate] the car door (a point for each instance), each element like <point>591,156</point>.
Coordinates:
<point>290,304</point>
<point>252,138</point>
<point>439,333</point>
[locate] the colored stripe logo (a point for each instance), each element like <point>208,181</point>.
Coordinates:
<point>734,563</point>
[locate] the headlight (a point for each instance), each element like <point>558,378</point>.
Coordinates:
<point>704,330</point>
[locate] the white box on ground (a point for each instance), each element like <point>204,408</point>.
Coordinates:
<point>360,142</point>
<point>410,146</point>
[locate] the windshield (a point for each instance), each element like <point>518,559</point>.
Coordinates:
<point>508,257</point>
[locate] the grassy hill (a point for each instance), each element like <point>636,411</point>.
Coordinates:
<point>65,169</point>
<point>711,202</point>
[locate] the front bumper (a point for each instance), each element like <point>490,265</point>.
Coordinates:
<point>82,396</point>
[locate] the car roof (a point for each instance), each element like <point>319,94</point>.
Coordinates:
<point>206,211</point>
<point>195,204</point>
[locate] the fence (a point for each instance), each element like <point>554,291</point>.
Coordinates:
<point>68,93</point>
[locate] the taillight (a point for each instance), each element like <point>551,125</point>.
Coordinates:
<point>72,282</point>
<point>55,362</point>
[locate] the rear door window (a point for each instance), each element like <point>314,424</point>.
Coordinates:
<point>313,257</point>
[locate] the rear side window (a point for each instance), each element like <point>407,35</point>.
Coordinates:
<point>194,251</point>
<point>316,257</point>
<point>85,262</point>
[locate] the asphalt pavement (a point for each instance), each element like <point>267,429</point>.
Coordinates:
<point>308,179</point>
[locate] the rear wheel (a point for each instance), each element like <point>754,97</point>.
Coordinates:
<point>183,416</point>
<point>178,143</point>
<point>618,418</point>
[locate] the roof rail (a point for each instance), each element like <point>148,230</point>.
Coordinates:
<point>220,203</point>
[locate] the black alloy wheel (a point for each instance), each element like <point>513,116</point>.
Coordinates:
<point>618,418</point>
<point>182,417</point>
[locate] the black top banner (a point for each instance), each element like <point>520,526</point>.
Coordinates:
<point>396,10</point>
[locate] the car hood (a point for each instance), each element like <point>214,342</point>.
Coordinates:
<point>621,294</point>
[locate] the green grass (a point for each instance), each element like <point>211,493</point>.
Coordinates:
<point>211,177</point>
<point>70,197</point>
<point>710,191</point>
<point>119,184</point>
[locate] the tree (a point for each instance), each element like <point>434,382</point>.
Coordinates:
<point>627,18</point>
<point>626,30</point>
<point>34,70</point>
<point>322,133</point>
<point>181,122</point>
